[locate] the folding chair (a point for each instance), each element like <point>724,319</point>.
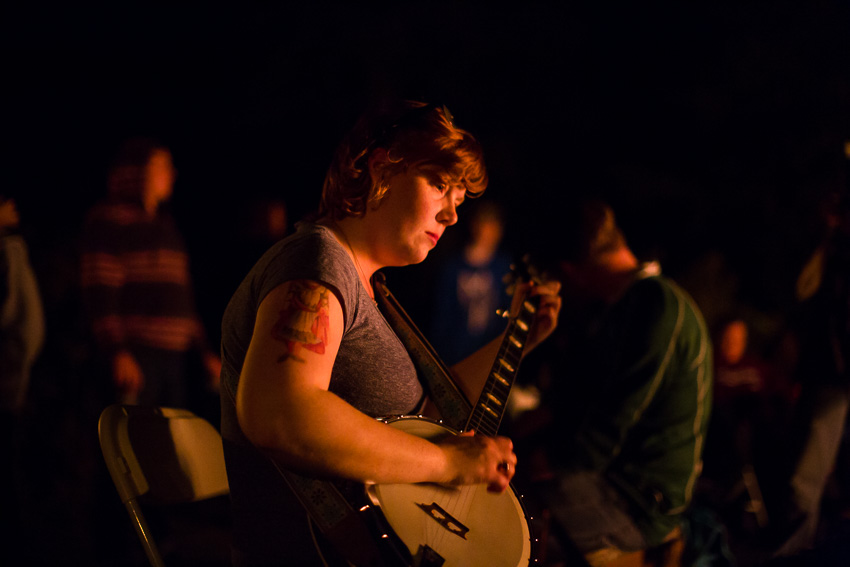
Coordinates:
<point>160,456</point>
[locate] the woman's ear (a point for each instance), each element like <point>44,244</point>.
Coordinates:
<point>378,160</point>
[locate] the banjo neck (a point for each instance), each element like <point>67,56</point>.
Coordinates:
<point>487,413</point>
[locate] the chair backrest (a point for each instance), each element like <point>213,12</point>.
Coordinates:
<point>160,456</point>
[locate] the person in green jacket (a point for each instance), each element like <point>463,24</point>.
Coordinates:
<point>631,393</point>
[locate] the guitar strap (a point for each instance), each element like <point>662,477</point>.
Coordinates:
<point>330,511</point>
<point>453,406</point>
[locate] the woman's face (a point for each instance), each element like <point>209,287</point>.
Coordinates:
<point>420,204</point>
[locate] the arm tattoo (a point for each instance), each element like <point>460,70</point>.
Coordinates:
<point>303,322</point>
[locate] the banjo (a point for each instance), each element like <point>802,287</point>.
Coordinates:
<point>430,525</point>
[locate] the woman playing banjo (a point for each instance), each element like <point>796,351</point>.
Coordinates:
<point>308,360</point>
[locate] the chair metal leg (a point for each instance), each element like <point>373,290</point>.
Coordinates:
<point>143,531</point>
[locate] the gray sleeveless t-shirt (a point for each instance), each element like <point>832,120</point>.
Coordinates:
<point>372,372</point>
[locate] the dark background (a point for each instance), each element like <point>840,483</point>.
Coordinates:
<point>715,132</point>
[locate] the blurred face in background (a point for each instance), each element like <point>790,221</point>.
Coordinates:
<point>159,178</point>
<point>607,268</point>
<point>733,342</point>
<point>8,213</point>
<point>487,230</point>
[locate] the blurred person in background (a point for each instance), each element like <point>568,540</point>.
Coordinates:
<point>616,445</point>
<point>22,330</point>
<point>21,313</point>
<point>136,282</point>
<point>822,330</point>
<point>469,288</point>
<point>743,393</point>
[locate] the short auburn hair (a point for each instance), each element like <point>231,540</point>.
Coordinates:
<point>412,133</point>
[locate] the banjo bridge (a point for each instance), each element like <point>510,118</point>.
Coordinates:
<point>444,519</point>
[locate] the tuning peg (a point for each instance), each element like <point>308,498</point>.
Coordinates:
<point>503,313</point>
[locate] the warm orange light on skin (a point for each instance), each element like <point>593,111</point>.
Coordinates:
<point>9,217</point>
<point>733,342</point>
<point>159,179</point>
<point>604,276</point>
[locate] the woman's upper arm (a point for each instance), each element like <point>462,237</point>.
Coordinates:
<point>295,340</point>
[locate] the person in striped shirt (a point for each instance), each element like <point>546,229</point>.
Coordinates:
<point>136,283</point>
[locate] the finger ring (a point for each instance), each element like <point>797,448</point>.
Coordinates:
<point>505,466</point>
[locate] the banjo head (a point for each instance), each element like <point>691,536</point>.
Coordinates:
<point>467,526</point>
